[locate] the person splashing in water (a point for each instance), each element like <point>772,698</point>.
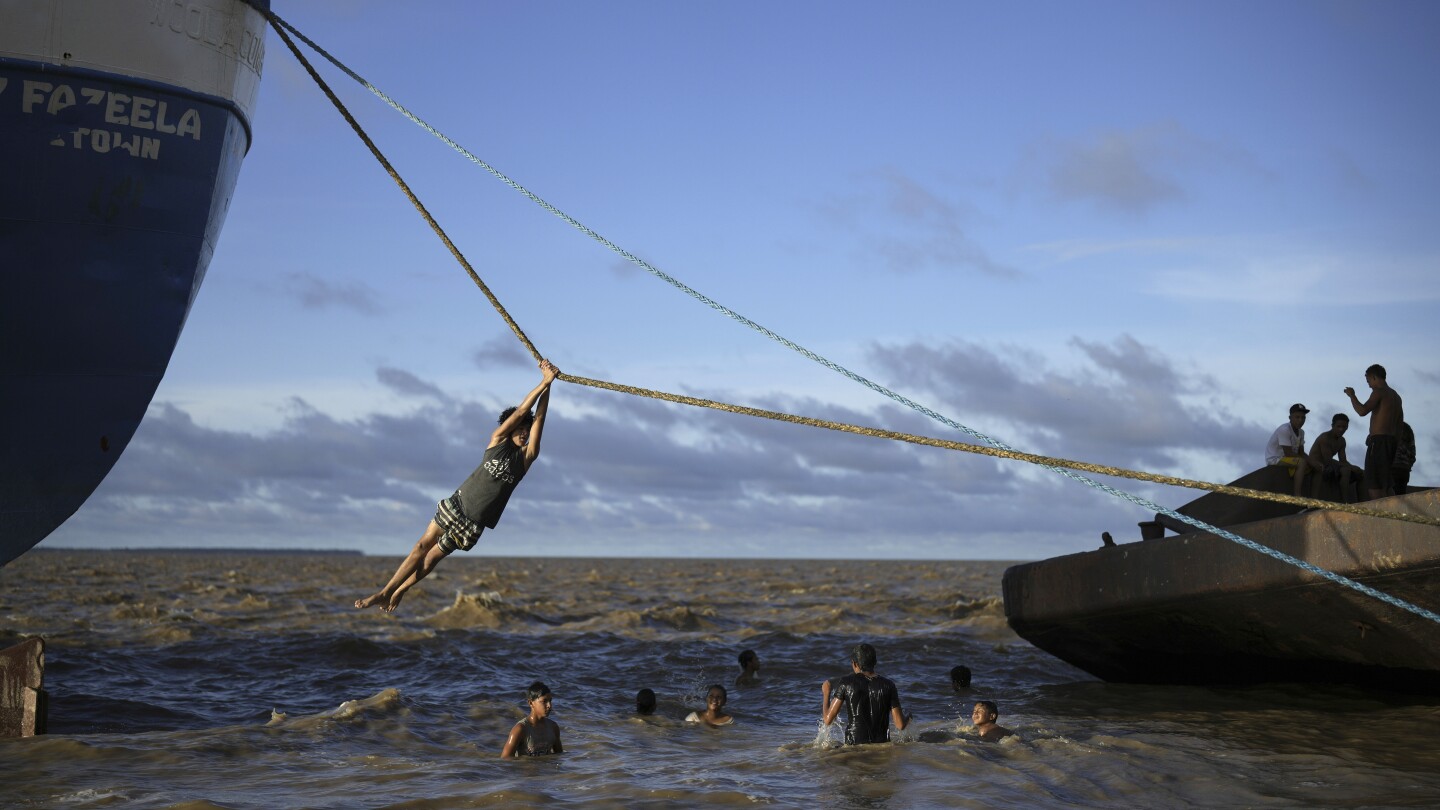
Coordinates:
<point>749,669</point>
<point>645,702</point>
<point>477,504</point>
<point>714,714</point>
<point>871,700</point>
<point>984,716</point>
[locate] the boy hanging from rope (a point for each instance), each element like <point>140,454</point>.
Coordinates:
<point>477,504</point>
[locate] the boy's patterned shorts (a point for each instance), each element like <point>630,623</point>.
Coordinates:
<point>460,532</point>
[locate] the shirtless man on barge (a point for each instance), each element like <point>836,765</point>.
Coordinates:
<point>1386,411</point>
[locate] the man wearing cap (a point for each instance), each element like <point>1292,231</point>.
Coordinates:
<point>1287,447</point>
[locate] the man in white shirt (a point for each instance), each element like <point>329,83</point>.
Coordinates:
<point>1287,447</point>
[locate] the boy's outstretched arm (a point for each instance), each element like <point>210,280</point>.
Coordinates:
<point>532,445</point>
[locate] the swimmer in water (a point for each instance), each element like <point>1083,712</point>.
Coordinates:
<point>959,678</point>
<point>749,669</point>
<point>871,701</point>
<point>536,734</point>
<point>984,717</point>
<point>714,714</point>
<point>645,702</point>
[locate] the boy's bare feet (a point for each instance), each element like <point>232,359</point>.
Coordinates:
<point>369,601</point>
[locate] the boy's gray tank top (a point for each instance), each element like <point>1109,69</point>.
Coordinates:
<point>484,494</point>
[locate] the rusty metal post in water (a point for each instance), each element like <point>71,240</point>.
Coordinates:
<point>22,693</point>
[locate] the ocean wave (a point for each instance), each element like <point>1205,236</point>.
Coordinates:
<point>665,618</point>
<point>145,612</point>
<point>982,607</point>
<point>164,635</point>
<point>386,702</point>
<point>382,702</point>
<point>679,617</point>
<point>338,652</point>
<point>825,620</point>
<point>488,610</point>
<point>102,597</point>
<point>251,602</point>
<point>77,711</point>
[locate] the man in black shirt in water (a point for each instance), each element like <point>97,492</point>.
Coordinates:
<point>871,701</point>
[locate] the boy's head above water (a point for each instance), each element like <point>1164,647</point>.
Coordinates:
<point>537,695</point>
<point>645,701</point>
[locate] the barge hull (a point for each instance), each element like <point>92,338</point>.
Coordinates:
<point>1199,609</point>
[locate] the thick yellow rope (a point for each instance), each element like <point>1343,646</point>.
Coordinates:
<point>1031,458</point>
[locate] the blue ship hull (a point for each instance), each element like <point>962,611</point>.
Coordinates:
<point>114,191</point>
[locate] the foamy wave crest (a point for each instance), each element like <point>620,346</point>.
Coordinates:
<point>382,702</point>
<point>615,620</point>
<point>157,623</point>
<point>824,619</point>
<point>679,617</point>
<point>658,618</point>
<point>488,610</point>
<point>984,607</point>
<point>144,612</point>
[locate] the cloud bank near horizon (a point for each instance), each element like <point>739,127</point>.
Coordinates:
<point>621,475</point>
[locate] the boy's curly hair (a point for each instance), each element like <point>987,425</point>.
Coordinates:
<point>505,414</point>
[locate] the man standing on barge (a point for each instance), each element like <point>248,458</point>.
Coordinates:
<point>1386,411</point>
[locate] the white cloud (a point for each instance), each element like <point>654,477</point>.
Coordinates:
<point>1299,278</point>
<point>1136,170</point>
<point>1265,270</point>
<point>1125,405</point>
<point>406,384</point>
<point>501,351</point>
<point>317,293</point>
<point>908,226</point>
<point>1073,249</point>
<point>1113,170</point>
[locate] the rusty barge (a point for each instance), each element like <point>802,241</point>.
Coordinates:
<point>1195,608</point>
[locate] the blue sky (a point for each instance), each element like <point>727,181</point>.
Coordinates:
<point>1126,233</point>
